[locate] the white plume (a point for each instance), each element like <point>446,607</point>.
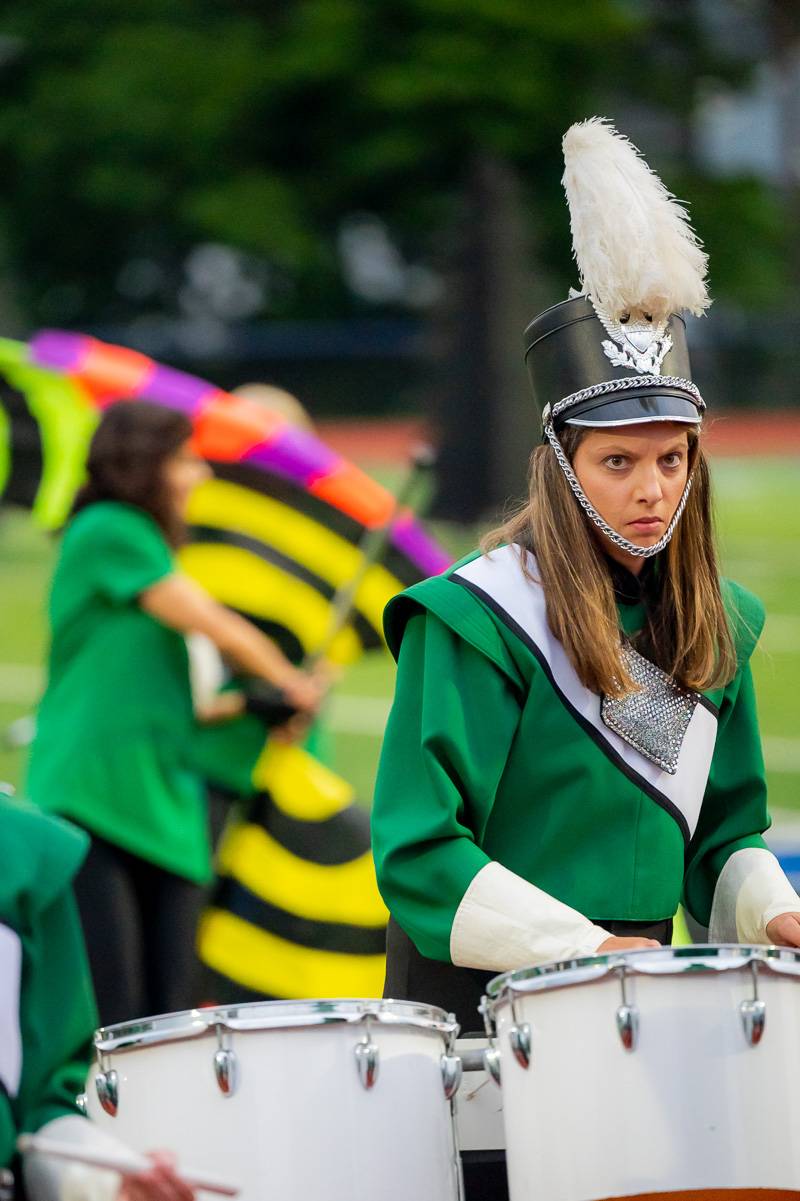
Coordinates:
<point>631,238</point>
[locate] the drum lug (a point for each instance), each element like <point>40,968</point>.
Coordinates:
<point>226,1063</point>
<point>627,1017</point>
<point>367,1062</point>
<point>491,1061</point>
<point>451,1075</point>
<point>491,1056</point>
<point>107,1085</point>
<point>226,1070</point>
<point>82,1104</point>
<point>628,1026</point>
<point>520,1039</point>
<point>754,1013</point>
<point>754,1016</point>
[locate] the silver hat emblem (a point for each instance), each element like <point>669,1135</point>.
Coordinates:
<point>639,341</point>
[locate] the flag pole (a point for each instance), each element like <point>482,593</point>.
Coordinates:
<point>372,546</point>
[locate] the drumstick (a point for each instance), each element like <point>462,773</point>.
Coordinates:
<point>126,1162</point>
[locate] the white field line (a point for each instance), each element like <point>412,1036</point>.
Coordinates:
<point>784,833</point>
<point>358,714</point>
<point>20,683</point>
<point>782,755</point>
<point>366,715</point>
<point>781,634</point>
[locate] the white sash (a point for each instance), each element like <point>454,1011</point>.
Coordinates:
<point>499,581</point>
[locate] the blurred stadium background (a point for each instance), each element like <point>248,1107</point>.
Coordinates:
<point>359,200</point>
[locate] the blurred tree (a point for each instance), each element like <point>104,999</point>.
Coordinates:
<point>133,132</point>
<point>312,157</point>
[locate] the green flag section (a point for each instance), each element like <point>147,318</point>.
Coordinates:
<point>62,419</point>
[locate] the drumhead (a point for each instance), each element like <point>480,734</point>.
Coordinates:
<point>652,962</point>
<point>273,1015</point>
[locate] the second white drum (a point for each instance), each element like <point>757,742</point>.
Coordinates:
<point>654,1072</point>
<point>295,1101</point>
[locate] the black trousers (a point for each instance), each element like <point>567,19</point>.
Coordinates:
<point>139,922</point>
<point>412,977</point>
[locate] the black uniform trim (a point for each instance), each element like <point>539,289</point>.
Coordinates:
<point>585,725</point>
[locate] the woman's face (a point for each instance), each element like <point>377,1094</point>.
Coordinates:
<point>182,472</point>
<point>634,475</point>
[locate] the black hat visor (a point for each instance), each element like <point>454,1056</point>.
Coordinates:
<point>666,404</point>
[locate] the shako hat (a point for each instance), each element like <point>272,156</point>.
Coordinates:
<point>616,353</point>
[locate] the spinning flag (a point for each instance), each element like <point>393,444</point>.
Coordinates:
<point>275,535</point>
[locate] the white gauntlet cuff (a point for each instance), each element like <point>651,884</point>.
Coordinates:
<point>50,1179</point>
<point>503,922</point>
<point>751,890</point>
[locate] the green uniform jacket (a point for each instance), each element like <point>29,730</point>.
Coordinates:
<point>47,1010</point>
<point>495,751</point>
<point>117,748</point>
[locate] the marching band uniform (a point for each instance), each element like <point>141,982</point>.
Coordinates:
<point>118,751</point>
<point>47,1007</point>
<point>506,810</point>
<point>520,817</point>
<point>47,1011</point>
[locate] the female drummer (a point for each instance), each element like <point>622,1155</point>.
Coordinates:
<point>573,747</point>
<point>116,728</point>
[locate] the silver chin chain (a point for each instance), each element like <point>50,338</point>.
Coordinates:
<point>639,552</point>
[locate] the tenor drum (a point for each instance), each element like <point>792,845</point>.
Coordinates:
<point>651,1074</point>
<point>292,1100</point>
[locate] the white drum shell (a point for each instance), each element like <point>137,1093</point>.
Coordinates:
<point>693,1106</point>
<point>300,1125</point>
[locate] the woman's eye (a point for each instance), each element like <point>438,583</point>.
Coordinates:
<point>674,459</point>
<point>615,462</point>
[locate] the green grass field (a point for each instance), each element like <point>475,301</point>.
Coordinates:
<point>759,506</point>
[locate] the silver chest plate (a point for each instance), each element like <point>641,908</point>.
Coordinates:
<point>655,719</point>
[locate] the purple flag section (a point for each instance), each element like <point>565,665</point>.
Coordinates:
<point>175,389</point>
<point>58,351</point>
<point>294,454</point>
<point>411,540</point>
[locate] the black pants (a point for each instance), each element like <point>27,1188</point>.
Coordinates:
<point>412,977</point>
<point>139,922</point>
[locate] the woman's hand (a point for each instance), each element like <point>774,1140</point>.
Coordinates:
<point>160,1183</point>
<point>181,604</point>
<point>304,690</point>
<point>784,930</point>
<point>222,707</point>
<point>626,944</point>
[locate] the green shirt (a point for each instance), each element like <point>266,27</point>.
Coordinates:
<point>113,748</point>
<point>47,1010</point>
<point>485,759</point>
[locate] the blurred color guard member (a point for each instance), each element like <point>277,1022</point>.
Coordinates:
<point>573,747</point>
<point>118,746</point>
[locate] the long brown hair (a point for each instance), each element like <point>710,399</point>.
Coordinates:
<point>687,632</point>
<point>126,461</point>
